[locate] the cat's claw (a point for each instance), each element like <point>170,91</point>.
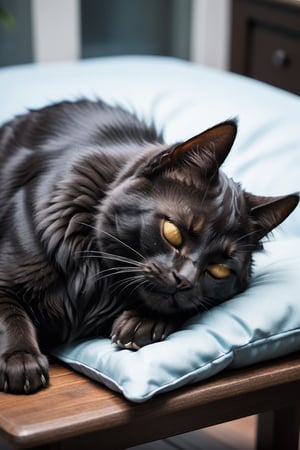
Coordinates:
<point>27,386</point>
<point>23,372</point>
<point>131,331</point>
<point>131,346</point>
<point>43,380</point>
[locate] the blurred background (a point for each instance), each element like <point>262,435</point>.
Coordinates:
<point>257,38</point>
<point>53,30</point>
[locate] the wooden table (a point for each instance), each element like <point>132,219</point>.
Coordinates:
<point>76,413</point>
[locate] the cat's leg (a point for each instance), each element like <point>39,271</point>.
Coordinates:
<point>23,368</point>
<point>132,330</point>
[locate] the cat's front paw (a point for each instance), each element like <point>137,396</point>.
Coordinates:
<point>23,372</point>
<point>132,331</point>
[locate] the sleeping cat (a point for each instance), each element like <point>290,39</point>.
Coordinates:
<point>106,230</point>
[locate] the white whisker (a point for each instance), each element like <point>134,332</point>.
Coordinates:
<point>110,256</point>
<point>138,286</point>
<point>128,283</point>
<point>114,271</point>
<point>246,235</point>
<point>115,238</point>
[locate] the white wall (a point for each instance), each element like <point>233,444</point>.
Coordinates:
<point>210,32</point>
<point>56,30</point>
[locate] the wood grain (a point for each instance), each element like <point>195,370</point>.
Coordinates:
<point>79,412</point>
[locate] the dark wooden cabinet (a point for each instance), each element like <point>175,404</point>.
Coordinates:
<point>265,41</point>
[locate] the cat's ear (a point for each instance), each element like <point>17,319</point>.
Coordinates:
<point>205,151</point>
<point>268,212</point>
<point>210,147</point>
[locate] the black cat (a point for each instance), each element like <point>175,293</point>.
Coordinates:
<point>106,230</point>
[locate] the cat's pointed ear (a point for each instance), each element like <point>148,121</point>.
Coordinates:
<point>212,146</point>
<point>206,151</point>
<point>268,212</point>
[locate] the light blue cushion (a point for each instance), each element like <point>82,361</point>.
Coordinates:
<point>259,324</point>
<point>184,99</point>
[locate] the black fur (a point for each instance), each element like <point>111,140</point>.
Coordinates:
<point>86,191</point>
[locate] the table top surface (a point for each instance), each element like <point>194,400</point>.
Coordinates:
<point>74,405</point>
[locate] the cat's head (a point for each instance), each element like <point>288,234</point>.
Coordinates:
<point>177,233</point>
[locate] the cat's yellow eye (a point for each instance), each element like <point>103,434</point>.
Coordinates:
<point>219,271</point>
<point>171,233</point>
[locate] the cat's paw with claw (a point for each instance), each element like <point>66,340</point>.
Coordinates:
<point>23,372</point>
<point>132,331</point>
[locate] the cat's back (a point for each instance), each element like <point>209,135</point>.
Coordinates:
<point>48,142</point>
<point>83,122</point>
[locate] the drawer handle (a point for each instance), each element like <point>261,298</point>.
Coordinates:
<point>280,58</point>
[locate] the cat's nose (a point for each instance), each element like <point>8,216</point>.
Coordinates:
<point>181,281</point>
<point>184,273</point>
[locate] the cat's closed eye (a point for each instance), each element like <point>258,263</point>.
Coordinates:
<point>171,233</point>
<point>219,271</point>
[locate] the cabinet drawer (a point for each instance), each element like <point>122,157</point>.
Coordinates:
<point>274,56</point>
<point>265,41</point>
